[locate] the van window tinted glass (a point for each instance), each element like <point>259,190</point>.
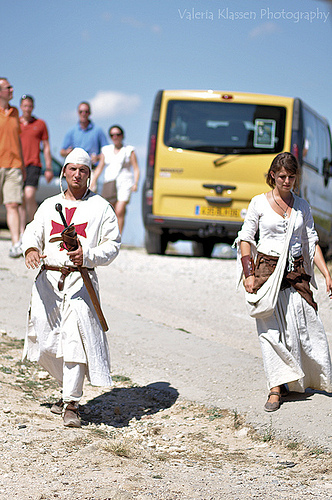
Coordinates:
<point>317,142</point>
<point>225,127</point>
<point>310,145</point>
<point>323,145</point>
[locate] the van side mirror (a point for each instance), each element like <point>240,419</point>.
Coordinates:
<point>327,170</point>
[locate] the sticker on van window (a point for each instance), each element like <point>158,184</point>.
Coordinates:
<point>264,136</point>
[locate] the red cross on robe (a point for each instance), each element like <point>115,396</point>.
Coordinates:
<point>58,228</point>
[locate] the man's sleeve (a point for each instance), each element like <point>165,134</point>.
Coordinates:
<point>68,140</point>
<point>44,134</point>
<point>16,114</point>
<point>109,244</point>
<point>33,236</point>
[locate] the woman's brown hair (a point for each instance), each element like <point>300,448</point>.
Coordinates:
<point>283,160</point>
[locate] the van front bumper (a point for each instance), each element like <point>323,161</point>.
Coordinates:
<point>189,228</point>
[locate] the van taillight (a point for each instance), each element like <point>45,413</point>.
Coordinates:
<point>149,197</point>
<point>295,150</point>
<point>152,150</point>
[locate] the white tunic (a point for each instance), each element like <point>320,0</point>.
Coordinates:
<point>293,341</point>
<point>63,326</point>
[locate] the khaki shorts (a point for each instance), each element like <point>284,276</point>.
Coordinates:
<point>11,186</point>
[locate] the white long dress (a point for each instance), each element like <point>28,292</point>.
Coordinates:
<point>63,326</point>
<point>293,341</point>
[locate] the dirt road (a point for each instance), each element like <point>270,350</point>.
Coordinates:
<point>177,322</point>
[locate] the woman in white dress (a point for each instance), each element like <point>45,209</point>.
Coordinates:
<point>121,173</point>
<point>293,341</point>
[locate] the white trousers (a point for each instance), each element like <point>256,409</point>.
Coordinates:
<point>73,379</point>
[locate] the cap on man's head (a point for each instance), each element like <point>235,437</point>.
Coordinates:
<point>78,156</point>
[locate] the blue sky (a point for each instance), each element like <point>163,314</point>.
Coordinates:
<point>117,55</point>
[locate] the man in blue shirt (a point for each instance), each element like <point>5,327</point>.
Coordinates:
<point>85,134</point>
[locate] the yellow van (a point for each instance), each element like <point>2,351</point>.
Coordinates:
<point>208,154</point>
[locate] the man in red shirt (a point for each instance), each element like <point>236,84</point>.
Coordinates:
<point>12,171</point>
<point>33,133</point>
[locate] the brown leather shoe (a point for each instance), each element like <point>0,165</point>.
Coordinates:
<point>272,406</point>
<point>57,407</point>
<point>70,415</point>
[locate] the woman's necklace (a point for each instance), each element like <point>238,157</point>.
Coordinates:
<point>284,211</point>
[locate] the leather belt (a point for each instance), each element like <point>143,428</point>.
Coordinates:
<point>64,270</point>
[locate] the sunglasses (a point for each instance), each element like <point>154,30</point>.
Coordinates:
<point>27,96</point>
<point>81,111</point>
<point>115,135</point>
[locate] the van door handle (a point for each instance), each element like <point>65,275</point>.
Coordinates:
<point>219,188</point>
<point>216,200</point>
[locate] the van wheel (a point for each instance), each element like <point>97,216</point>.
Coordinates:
<point>202,248</point>
<point>155,243</point>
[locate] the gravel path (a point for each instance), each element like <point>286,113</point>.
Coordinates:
<point>177,328</point>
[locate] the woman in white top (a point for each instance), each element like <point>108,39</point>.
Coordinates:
<point>121,173</point>
<point>293,341</point>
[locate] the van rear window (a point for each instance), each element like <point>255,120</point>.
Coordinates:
<point>217,127</point>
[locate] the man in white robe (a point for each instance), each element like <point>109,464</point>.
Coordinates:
<point>64,334</point>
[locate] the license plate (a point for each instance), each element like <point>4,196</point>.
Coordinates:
<point>218,211</point>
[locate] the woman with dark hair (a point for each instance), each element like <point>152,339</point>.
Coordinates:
<point>293,341</point>
<point>121,173</point>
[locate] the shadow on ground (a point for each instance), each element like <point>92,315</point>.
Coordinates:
<point>291,397</point>
<point>118,406</point>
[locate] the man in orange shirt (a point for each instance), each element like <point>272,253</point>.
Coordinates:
<point>12,170</point>
<point>33,133</point>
